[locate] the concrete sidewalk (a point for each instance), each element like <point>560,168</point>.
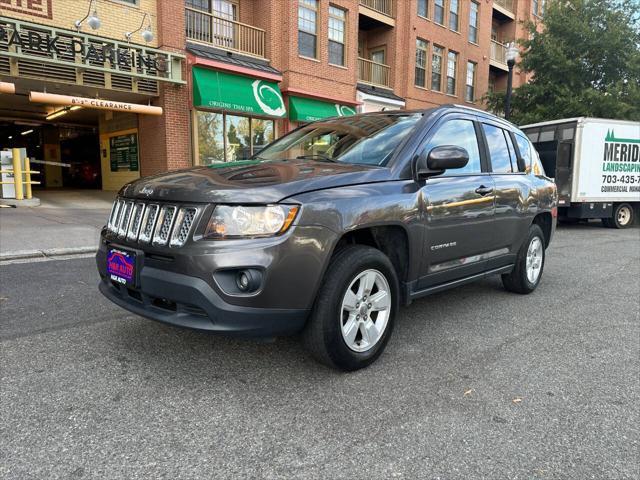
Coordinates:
<point>66,222</point>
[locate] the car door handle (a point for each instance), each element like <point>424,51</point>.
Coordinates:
<point>482,190</point>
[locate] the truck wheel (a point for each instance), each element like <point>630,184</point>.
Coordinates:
<point>355,308</point>
<point>527,272</point>
<point>622,216</point>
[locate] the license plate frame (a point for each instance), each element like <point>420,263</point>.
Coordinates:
<point>122,266</point>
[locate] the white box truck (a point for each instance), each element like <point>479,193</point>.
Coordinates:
<point>596,165</point>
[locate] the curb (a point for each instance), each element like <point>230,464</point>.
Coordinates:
<point>48,252</point>
<point>30,202</point>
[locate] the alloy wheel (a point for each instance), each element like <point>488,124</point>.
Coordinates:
<point>365,310</point>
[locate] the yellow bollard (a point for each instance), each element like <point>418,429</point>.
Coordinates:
<point>27,183</point>
<point>17,173</point>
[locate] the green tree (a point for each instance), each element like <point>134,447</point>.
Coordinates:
<point>585,62</point>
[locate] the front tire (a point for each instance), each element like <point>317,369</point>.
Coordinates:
<point>622,216</point>
<point>527,272</point>
<point>355,309</point>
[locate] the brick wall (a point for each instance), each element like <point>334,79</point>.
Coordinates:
<point>117,17</point>
<point>165,140</point>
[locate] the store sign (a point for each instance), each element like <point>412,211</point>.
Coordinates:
<point>88,51</point>
<point>224,91</point>
<point>35,8</point>
<point>123,153</point>
<point>20,40</point>
<point>302,109</point>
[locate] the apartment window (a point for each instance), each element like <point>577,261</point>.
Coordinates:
<point>538,7</point>
<point>436,68</point>
<point>453,14</point>
<point>438,12</point>
<point>471,82</point>
<point>308,28</point>
<point>421,63</point>
<point>423,8</point>
<point>219,30</point>
<point>337,22</point>
<point>473,22</point>
<point>452,65</point>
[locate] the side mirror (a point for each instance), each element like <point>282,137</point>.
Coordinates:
<point>439,159</point>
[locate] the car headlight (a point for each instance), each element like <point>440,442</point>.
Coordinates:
<point>229,221</point>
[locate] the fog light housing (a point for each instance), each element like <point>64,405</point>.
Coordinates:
<point>239,281</point>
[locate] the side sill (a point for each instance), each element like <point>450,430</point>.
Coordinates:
<point>457,283</point>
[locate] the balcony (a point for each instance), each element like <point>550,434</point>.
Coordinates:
<point>498,57</point>
<point>378,11</point>
<point>374,73</point>
<point>210,29</point>
<point>505,8</point>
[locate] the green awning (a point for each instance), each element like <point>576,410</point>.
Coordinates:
<point>214,89</point>
<point>303,109</point>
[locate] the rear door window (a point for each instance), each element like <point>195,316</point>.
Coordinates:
<point>525,150</point>
<point>498,149</point>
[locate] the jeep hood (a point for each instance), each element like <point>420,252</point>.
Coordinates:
<point>251,181</point>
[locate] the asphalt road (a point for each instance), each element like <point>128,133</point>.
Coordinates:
<point>475,383</point>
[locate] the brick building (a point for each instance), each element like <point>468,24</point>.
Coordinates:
<point>336,57</point>
<point>255,69</point>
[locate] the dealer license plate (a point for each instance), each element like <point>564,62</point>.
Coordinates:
<point>121,266</point>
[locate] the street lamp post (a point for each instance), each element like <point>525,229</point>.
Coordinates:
<point>512,54</point>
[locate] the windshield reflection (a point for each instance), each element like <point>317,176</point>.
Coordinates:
<point>368,139</point>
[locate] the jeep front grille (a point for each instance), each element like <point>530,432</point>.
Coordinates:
<point>153,223</point>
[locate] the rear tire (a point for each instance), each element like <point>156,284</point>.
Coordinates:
<point>527,271</point>
<point>357,275</point>
<point>622,216</point>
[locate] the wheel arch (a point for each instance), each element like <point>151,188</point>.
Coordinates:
<point>545,221</point>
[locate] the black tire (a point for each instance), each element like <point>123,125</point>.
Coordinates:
<point>322,334</point>
<point>623,216</point>
<point>517,281</point>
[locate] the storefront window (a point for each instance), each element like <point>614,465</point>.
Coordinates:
<point>210,137</point>
<point>238,136</point>
<point>226,138</point>
<point>261,133</point>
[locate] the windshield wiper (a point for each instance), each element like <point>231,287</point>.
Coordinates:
<point>316,156</point>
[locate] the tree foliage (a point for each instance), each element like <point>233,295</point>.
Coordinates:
<point>585,62</point>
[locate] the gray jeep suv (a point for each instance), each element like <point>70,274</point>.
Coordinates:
<point>328,230</point>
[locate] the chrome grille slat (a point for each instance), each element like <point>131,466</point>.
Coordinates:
<point>148,222</point>
<point>163,227</point>
<point>183,224</point>
<point>136,221</point>
<point>124,220</point>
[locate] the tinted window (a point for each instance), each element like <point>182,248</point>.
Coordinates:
<point>498,150</point>
<point>512,151</point>
<point>460,133</point>
<point>525,149</point>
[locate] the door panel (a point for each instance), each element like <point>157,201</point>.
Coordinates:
<point>459,227</point>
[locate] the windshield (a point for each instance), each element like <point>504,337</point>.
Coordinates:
<point>368,140</point>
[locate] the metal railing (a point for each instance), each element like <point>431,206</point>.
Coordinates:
<point>374,73</point>
<point>506,4</point>
<point>221,32</point>
<point>498,52</point>
<point>386,7</point>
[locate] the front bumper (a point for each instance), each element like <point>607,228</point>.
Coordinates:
<point>190,302</point>
<point>177,285</point>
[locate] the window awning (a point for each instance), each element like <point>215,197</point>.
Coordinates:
<point>302,109</point>
<point>225,91</point>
